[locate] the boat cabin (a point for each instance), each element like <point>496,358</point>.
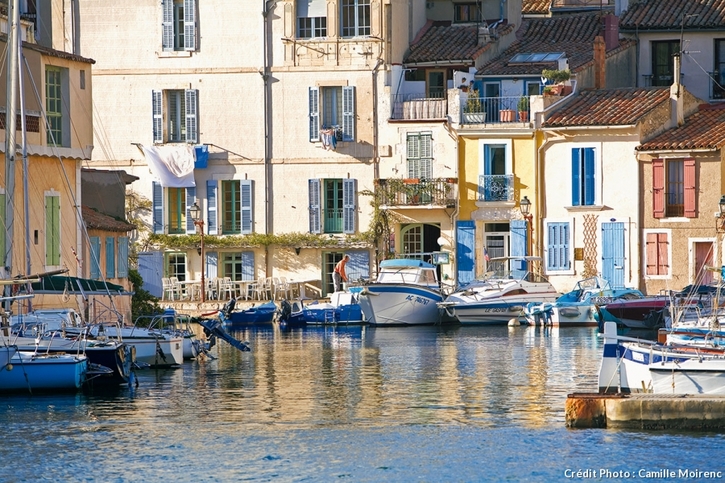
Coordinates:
<point>408,271</point>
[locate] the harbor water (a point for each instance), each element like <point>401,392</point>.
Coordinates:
<point>362,404</point>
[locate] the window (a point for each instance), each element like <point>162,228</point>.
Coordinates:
<point>336,206</point>
<point>466,12</point>
<point>52,229</point>
<point>110,257</point>
<point>657,254</point>
<point>718,82</point>
<point>311,18</point>
<point>95,256</point>
<point>177,201</point>
<point>355,18</point>
<point>583,177</point>
<point>177,265</point>
<point>332,107</point>
<point>56,96</point>
<point>412,241</point>
<point>175,116</point>
<point>176,210</point>
<point>238,265</point>
<point>558,241</point>
<point>673,188</point>
<point>663,64</point>
<point>420,155</point>
<point>436,84</point>
<point>496,179</point>
<point>179,25</point>
<point>234,207</point>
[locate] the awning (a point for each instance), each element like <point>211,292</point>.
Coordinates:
<point>59,283</point>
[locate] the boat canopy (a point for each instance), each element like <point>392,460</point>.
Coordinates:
<point>57,283</point>
<point>405,263</point>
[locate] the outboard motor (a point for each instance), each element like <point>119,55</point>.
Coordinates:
<point>229,307</point>
<point>285,310</point>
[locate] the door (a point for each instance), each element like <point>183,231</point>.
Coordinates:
<point>465,251</point>
<point>613,253</point>
<point>492,96</point>
<point>436,84</point>
<point>703,258</point>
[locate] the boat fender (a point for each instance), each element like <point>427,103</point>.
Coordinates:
<point>514,322</point>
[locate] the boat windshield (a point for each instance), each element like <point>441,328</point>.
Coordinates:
<point>408,275</point>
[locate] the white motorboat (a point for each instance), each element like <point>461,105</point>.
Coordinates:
<point>153,345</point>
<point>500,295</point>
<point>406,292</point>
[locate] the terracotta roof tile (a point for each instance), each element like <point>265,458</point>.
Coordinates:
<point>705,129</point>
<point>572,34</point>
<point>446,42</point>
<point>535,7</point>
<point>98,221</point>
<point>608,107</point>
<point>668,14</point>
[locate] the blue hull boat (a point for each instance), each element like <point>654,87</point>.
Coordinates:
<point>260,314</point>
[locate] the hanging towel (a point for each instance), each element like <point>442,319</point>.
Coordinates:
<point>327,137</point>
<point>172,164</point>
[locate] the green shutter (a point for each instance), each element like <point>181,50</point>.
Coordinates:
<point>122,257</point>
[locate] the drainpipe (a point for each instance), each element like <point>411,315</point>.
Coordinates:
<point>267,7</point>
<point>376,151</point>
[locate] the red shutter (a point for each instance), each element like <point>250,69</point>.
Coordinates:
<point>690,193</point>
<point>651,254</point>
<point>663,267</point>
<point>658,188</point>
<point>657,254</point>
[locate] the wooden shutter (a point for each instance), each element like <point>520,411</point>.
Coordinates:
<point>158,207</point>
<point>52,230</point>
<point>190,200</point>
<point>158,117</point>
<point>190,25</point>
<point>589,172</point>
<point>248,266</point>
<point>314,197</point>
<point>246,187</point>
<point>314,112</point>
<point>519,232</point>
<point>349,205</point>
<point>690,192</point>
<point>192,118</point>
<point>576,177</point>
<point>110,257</point>
<point>167,24</point>
<point>557,250</point>
<point>3,222</point>
<point>359,265</point>
<point>465,251</point>
<point>656,253</point>
<point>348,113</point>
<point>211,206</point>
<point>658,188</point>
<point>122,271</point>
<point>95,254</point>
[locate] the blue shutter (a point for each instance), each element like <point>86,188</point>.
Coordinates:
<point>211,206</point>
<point>485,189</point>
<point>348,114</point>
<point>110,257</point>
<point>246,187</point>
<point>349,206</point>
<point>519,230</point>
<point>167,24</point>
<point>158,115</point>
<point>151,269</point>
<point>359,265</point>
<point>158,206</point>
<point>190,25</point>
<point>465,251</point>
<point>613,253</point>
<point>576,175</point>
<point>314,112</point>
<point>248,266</point>
<point>211,265</point>
<point>192,119</point>
<point>589,185</point>
<point>314,196</point>
<point>122,257</point>
<point>557,251</point>
<point>95,254</point>
<point>190,199</point>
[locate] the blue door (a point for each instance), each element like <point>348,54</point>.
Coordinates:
<point>613,253</point>
<point>151,269</point>
<point>465,251</point>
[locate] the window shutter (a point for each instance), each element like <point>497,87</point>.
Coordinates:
<point>190,200</point>
<point>110,257</point>
<point>558,246</point>
<point>349,205</point>
<point>519,232</point>
<point>314,97</point>
<point>690,192</point>
<point>158,117</point>
<point>192,118</point>
<point>122,257</point>
<point>211,206</point>
<point>158,206</point>
<point>663,267</point>
<point>189,24</point>
<point>656,251</point>
<point>589,185</point>
<point>576,175</point>
<point>246,187</point>
<point>167,24</point>
<point>248,266</point>
<point>95,257</point>
<point>348,113</point>
<point>314,196</point>
<point>211,265</point>
<point>52,227</point>
<point>3,222</point>
<point>658,188</point>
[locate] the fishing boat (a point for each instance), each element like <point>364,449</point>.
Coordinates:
<point>501,294</point>
<point>406,292</point>
<point>579,306</point>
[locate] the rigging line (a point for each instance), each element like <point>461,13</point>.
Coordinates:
<point>691,57</point>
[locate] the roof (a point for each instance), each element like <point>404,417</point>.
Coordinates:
<point>705,129</point>
<point>670,14</point>
<point>98,221</point>
<point>535,7</point>
<point>572,34</point>
<point>608,107</point>
<point>446,42</point>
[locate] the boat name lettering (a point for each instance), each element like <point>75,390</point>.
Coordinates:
<point>417,300</point>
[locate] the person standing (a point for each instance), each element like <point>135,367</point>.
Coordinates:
<point>339,276</point>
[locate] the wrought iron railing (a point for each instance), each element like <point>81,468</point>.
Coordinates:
<point>333,220</point>
<point>496,187</point>
<point>479,110</point>
<point>413,191</point>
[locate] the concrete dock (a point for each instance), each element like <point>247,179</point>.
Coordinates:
<point>645,411</point>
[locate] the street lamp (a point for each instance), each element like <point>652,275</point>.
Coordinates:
<point>195,213</point>
<point>525,205</point>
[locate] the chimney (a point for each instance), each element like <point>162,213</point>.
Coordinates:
<point>600,59</point>
<point>484,36</point>
<point>611,31</point>
<point>677,108</point>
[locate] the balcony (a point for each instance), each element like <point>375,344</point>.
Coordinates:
<point>496,187</point>
<point>487,110</point>
<point>413,192</point>
<point>418,107</point>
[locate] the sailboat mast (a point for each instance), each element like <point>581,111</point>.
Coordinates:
<point>10,131</point>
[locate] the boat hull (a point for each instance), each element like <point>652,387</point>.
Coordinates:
<point>565,316</point>
<point>261,314</point>
<point>399,304</point>
<point>492,312</point>
<point>27,371</point>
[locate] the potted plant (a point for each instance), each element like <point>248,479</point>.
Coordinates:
<point>557,78</point>
<point>473,110</point>
<point>523,108</point>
